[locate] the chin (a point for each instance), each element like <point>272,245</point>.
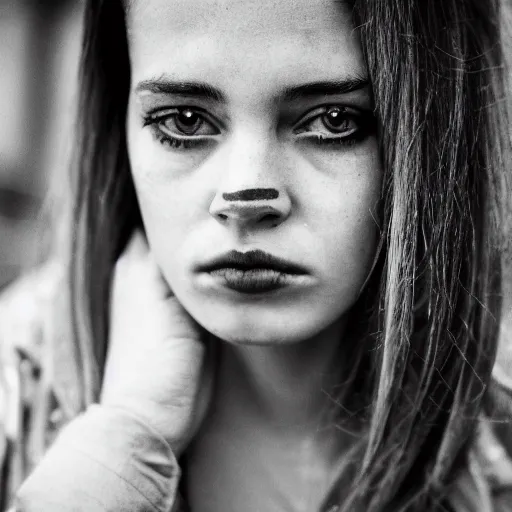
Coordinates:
<point>250,337</point>
<point>280,319</point>
<point>264,330</point>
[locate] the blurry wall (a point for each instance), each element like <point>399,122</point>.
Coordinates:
<point>39,49</point>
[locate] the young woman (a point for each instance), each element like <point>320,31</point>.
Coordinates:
<point>287,241</point>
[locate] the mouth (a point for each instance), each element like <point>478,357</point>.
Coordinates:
<point>253,271</point>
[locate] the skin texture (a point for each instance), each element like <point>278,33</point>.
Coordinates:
<point>322,218</point>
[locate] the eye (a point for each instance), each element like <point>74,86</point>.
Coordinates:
<point>335,124</point>
<point>182,128</point>
<point>336,120</point>
<point>186,122</point>
<point>330,121</point>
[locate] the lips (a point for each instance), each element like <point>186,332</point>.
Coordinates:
<point>253,272</point>
<point>250,261</point>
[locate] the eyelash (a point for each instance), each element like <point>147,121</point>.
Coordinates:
<point>365,120</point>
<point>154,120</point>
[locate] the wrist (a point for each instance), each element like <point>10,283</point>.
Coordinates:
<point>153,421</point>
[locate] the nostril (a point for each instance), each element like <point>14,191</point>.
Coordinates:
<point>269,217</point>
<point>222,216</point>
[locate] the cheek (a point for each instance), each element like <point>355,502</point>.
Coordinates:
<point>169,205</point>
<point>161,180</point>
<point>169,212</point>
<point>346,216</point>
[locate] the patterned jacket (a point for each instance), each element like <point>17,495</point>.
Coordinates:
<point>39,395</point>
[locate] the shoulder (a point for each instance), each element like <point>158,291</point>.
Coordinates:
<point>498,406</point>
<point>36,335</point>
<point>24,313</point>
<point>485,484</point>
<point>29,321</point>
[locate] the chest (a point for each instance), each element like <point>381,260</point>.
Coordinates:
<point>235,470</point>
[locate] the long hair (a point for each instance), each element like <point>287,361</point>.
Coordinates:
<point>432,305</point>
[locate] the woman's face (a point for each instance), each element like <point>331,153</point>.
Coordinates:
<point>250,128</point>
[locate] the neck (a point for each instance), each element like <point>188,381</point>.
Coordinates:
<point>285,387</point>
<point>269,433</point>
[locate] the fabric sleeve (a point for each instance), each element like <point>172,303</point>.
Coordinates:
<point>104,460</point>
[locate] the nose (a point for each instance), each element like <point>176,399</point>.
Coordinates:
<point>252,190</point>
<point>251,207</point>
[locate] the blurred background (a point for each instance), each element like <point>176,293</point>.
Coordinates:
<point>39,49</point>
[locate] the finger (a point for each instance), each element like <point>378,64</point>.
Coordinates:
<point>163,287</point>
<point>136,250</point>
<point>137,269</point>
<point>137,245</point>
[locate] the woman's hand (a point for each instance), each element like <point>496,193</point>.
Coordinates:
<point>155,366</point>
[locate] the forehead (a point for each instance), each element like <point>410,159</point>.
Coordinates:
<point>242,42</point>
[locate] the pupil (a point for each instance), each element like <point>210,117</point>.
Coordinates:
<point>188,118</point>
<point>334,117</point>
<point>188,122</point>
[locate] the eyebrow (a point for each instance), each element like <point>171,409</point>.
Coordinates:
<point>326,88</point>
<point>164,86</point>
<point>205,91</point>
